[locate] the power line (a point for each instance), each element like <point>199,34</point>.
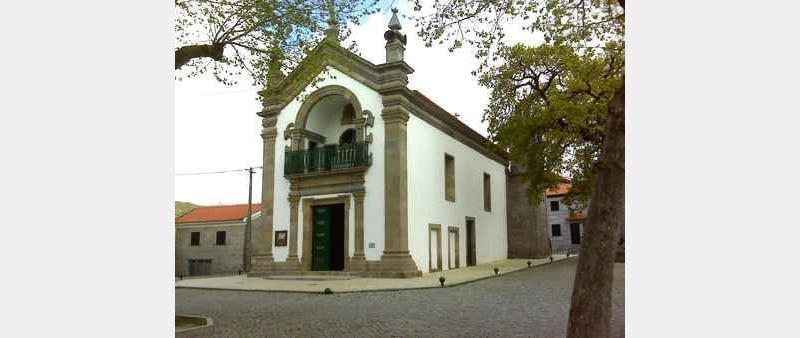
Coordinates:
<point>217,172</point>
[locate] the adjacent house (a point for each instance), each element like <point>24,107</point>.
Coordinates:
<point>371,177</point>
<point>210,240</point>
<point>566,226</point>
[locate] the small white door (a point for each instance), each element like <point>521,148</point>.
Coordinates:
<point>434,250</point>
<point>452,253</point>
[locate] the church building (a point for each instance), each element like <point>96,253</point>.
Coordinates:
<point>372,178</point>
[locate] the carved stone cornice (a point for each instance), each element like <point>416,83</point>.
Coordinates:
<point>269,120</point>
<point>294,197</point>
<point>394,115</point>
<point>269,134</point>
<point>310,135</point>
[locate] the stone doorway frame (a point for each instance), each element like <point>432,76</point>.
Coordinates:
<point>457,250</point>
<point>438,229</point>
<point>308,227</point>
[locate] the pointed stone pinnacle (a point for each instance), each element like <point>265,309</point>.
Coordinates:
<point>394,23</point>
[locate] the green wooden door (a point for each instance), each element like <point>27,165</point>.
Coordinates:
<point>322,239</point>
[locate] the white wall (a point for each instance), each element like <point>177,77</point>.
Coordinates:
<point>326,119</point>
<point>563,242</point>
<point>374,185</point>
<point>426,203</point>
<point>426,148</point>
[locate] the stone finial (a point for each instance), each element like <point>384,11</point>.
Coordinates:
<point>395,40</point>
<point>394,23</point>
<point>332,33</point>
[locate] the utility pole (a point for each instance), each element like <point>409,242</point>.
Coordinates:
<point>246,254</point>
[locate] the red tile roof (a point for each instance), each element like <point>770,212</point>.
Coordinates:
<point>561,189</point>
<point>219,213</point>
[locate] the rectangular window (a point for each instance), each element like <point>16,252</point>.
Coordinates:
<point>553,205</point>
<point>487,192</point>
<point>556,230</point>
<point>449,178</point>
<point>195,239</point>
<point>220,237</point>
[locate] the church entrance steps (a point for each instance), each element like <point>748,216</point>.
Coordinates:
<point>314,277</point>
<point>317,281</point>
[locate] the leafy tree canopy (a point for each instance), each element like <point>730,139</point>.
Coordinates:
<point>548,107</point>
<point>549,102</point>
<point>228,38</point>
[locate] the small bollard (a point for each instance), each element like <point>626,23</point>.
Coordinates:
<point>180,277</point>
<point>441,280</point>
<point>529,264</point>
<point>496,271</point>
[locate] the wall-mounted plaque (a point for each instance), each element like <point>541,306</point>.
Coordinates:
<point>281,237</point>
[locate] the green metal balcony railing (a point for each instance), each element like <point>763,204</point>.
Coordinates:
<point>326,158</point>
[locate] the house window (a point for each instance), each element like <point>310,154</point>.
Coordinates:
<point>556,230</point>
<point>220,237</point>
<point>449,178</point>
<point>195,241</point>
<point>487,192</point>
<point>553,205</point>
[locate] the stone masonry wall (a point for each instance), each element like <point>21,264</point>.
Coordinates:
<point>528,235</point>
<point>224,258</point>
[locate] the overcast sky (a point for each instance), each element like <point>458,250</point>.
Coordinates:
<point>216,127</point>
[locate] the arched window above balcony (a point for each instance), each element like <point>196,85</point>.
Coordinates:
<point>325,114</point>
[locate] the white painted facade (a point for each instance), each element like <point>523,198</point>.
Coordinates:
<point>561,217</point>
<point>427,146</point>
<point>374,185</point>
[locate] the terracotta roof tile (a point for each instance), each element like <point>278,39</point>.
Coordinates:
<point>218,213</point>
<point>560,189</point>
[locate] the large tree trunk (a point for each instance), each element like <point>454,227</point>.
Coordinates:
<point>186,53</point>
<point>590,311</point>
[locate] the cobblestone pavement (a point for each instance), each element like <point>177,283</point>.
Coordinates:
<point>530,303</point>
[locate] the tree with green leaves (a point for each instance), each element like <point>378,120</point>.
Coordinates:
<point>228,38</point>
<point>548,108</point>
<point>558,107</point>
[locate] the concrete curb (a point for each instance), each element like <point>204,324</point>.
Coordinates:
<point>379,290</point>
<point>209,323</point>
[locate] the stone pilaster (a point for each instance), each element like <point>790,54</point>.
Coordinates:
<point>294,205</point>
<point>305,262</point>
<point>262,260</point>
<point>360,124</point>
<point>297,139</point>
<point>359,262</point>
<point>396,260</point>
